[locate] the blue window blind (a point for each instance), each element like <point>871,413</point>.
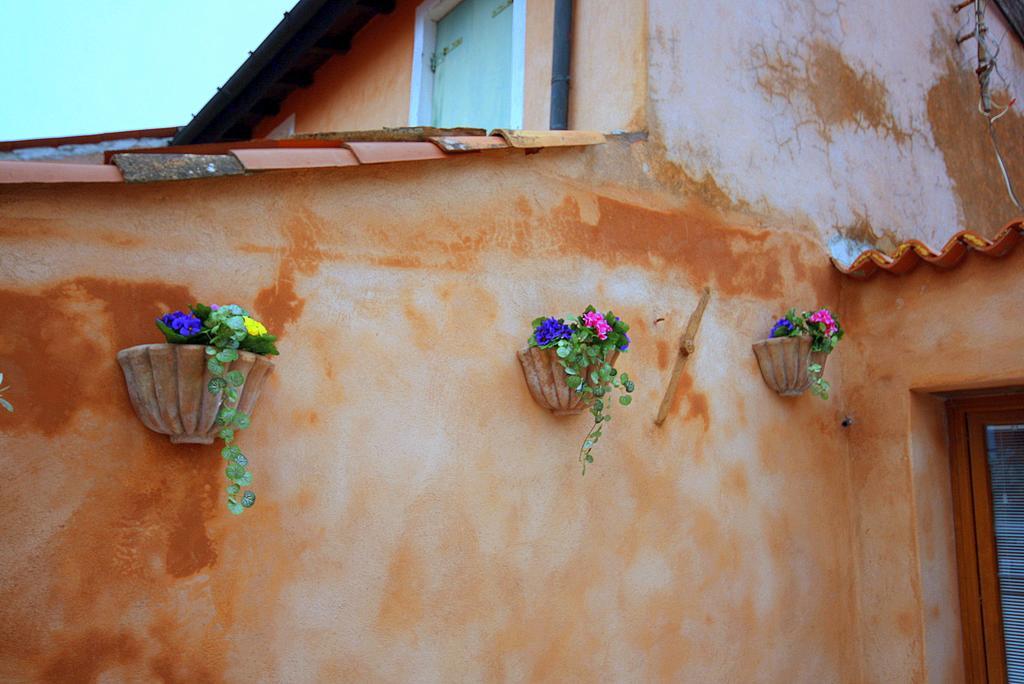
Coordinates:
<point>1005,447</point>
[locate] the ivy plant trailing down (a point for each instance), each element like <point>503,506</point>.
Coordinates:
<point>585,347</point>
<point>224,330</point>
<point>825,332</point>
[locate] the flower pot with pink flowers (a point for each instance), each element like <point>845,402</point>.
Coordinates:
<point>793,357</point>
<point>569,366</point>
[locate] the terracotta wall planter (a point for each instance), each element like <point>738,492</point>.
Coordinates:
<point>545,377</point>
<point>784,361</point>
<point>167,385</point>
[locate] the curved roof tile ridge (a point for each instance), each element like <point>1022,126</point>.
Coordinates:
<point>911,252</point>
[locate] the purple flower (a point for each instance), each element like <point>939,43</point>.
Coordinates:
<point>782,328</point>
<point>550,330</point>
<point>184,324</point>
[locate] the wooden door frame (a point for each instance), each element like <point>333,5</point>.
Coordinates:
<point>984,652</point>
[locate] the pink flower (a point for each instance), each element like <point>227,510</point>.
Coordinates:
<point>595,320</point>
<point>824,316</point>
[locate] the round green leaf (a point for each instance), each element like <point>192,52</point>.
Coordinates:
<point>242,420</point>
<point>216,385</point>
<point>625,399</point>
<point>233,489</point>
<point>236,378</point>
<point>235,507</point>
<point>234,471</point>
<point>215,367</point>
<point>227,434</point>
<point>227,355</point>
<point>230,453</point>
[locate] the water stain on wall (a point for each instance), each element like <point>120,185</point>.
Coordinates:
<point>63,324</point>
<point>697,402</point>
<point>737,260</point>
<point>961,134</point>
<point>815,79</point>
<point>279,304</point>
<point>85,658</point>
<point>862,232</point>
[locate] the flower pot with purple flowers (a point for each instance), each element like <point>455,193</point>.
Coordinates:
<point>793,357</point>
<point>570,368</point>
<point>203,383</point>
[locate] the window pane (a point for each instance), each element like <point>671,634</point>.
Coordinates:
<point>1005,446</point>
<point>473,66</point>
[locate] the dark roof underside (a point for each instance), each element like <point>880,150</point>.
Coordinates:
<point>310,34</point>
<point>1013,10</point>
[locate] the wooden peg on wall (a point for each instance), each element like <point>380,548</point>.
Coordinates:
<point>686,349</point>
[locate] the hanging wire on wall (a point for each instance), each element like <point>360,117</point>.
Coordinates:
<point>987,66</point>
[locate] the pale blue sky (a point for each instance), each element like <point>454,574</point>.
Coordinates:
<point>73,67</point>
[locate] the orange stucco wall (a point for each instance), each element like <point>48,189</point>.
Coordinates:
<point>917,338</point>
<point>369,87</point>
<point>420,518</point>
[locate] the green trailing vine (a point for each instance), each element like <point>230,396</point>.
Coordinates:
<point>224,331</point>
<point>819,386</point>
<point>586,348</point>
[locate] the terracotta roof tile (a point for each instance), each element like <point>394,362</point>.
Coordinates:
<point>219,159</point>
<point>295,158</point>
<point>535,139</point>
<point>385,152</point>
<point>912,252</point>
<point>469,143</point>
<point>51,172</point>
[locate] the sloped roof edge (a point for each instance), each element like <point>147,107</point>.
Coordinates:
<point>912,252</point>
<point>308,35</point>
<point>147,165</point>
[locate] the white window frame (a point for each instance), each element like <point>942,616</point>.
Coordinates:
<point>421,93</point>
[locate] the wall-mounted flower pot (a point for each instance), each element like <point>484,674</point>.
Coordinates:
<point>167,384</point>
<point>784,362</point>
<point>545,377</point>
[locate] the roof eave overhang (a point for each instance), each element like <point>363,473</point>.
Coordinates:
<point>308,36</point>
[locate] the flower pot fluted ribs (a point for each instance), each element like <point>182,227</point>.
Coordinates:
<point>545,378</point>
<point>167,384</point>
<point>784,362</point>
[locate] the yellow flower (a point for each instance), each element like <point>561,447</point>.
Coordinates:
<point>254,327</point>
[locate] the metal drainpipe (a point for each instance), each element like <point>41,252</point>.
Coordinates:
<point>561,55</point>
